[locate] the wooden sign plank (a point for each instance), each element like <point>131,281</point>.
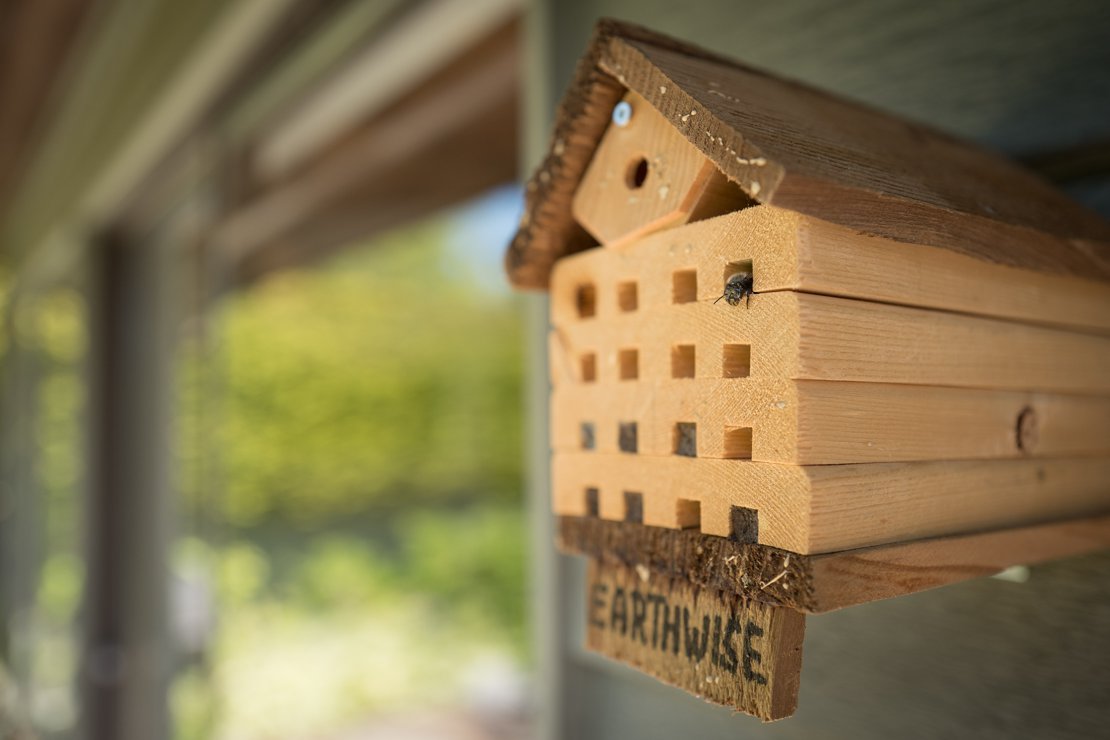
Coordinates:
<point>728,650</point>
<point>821,583</point>
<point>825,508</point>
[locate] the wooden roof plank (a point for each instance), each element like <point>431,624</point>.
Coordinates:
<point>804,150</point>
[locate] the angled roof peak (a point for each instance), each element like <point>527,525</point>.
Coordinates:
<point>791,146</point>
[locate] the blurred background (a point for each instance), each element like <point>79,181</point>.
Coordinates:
<point>272,425</point>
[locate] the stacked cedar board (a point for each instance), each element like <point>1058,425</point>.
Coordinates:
<point>916,392</point>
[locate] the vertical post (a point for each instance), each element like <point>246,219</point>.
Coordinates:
<point>20,498</point>
<point>126,656</point>
<point>547,572</point>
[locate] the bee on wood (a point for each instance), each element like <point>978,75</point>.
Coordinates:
<point>738,288</point>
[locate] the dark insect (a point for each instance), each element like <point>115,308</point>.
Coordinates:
<point>738,288</point>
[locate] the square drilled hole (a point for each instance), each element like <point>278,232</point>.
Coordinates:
<point>745,524</point>
<point>628,436</point>
<point>682,361</point>
<point>592,505</point>
<point>688,514</point>
<point>588,367</point>
<point>738,443</point>
<point>736,360</point>
<point>585,301</point>
<point>628,362</point>
<point>684,287</point>
<point>685,439</point>
<point>587,435</point>
<point>732,268</point>
<point>628,296</point>
<point>634,507</point>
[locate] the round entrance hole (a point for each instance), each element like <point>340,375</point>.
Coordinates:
<point>637,173</point>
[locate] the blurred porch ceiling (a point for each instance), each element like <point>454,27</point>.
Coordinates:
<point>300,125</point>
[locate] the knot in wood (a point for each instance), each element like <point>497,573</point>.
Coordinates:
<point>1027,430</point>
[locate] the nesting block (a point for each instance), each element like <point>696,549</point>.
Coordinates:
<point>817,422</point>
<point>640,336</point>
<point>823,508</point>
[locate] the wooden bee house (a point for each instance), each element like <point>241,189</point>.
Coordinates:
<point>925,357</point>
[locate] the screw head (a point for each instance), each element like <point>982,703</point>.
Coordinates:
<point>622,113</point>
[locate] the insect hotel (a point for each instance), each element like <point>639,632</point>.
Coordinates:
<point>803,355</point>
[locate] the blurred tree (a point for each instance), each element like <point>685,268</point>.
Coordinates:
<point>366,430</point>
<point>385,379</point>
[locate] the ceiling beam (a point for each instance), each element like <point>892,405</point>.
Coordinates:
<point>30,72</point>
<point>450,138</point>
<point>152,69</point>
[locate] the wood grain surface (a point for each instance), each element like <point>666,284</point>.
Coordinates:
<point>819,423</point>
<point>646,176</point>
<point>679,280</point>
<point>824,508</point>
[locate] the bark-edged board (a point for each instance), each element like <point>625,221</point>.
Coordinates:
<point>821,583</point>
<point>743,654</point>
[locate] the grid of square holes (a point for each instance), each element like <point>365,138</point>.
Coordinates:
<point>687,511</point>
<point>743,522</point>
<point>684,289</point>
<point>684,439</point>
<point>585,298</point>
<point>735,363</point>
<point>735,358</point>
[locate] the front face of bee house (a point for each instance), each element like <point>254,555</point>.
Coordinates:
<point>677,409</point>
<point>646,367</point>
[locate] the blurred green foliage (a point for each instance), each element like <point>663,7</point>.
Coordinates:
<point>369,428</point>
<point>42,349</point>
<point>350,462</point>
<point>365,418</point>
<point>481,572</point>
<point>383,380</point>
<point>349,458</point>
